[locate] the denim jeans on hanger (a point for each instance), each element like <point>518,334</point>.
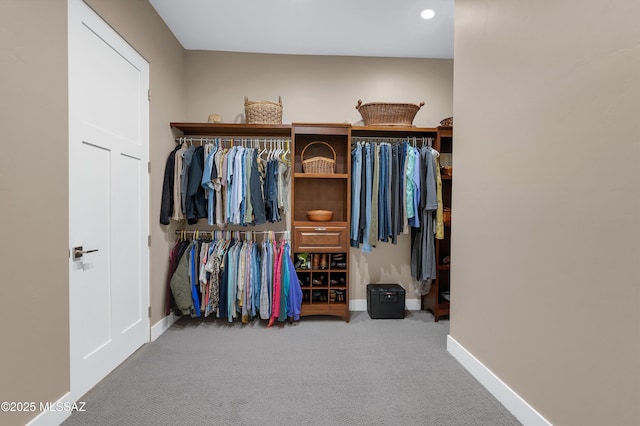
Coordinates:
<point>368,170</point>
<point>356,183</point>
<point>375,180</point>
<point>383,198</point>
<point>271,192</point>
<point>395,194</point>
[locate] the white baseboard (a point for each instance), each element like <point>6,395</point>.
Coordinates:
<point>163,325</point>
<point>59,412</point>
<point>525,413</point>
<point>356,305</point>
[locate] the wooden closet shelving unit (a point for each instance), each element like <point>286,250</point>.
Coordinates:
<point>325,281</point>
<point>332,191</point>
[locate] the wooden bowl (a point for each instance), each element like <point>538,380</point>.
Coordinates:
<point>319,215</point>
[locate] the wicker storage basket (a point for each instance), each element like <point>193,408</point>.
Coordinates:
<point>318,164</point>
<point>447,122</point>
<point>388,114</point>
<point>263,112</point>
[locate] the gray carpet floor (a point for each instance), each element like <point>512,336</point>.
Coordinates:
<point>319,371</point>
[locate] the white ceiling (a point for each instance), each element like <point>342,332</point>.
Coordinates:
<point>381,28</point>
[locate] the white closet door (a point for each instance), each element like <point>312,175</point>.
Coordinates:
<point>108,198</point>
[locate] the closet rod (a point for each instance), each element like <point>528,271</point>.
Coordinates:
<point>413,140</point>
<point>390,140</point>
<point>208,231</point>
<point>230,232</point>
<point>233,139</point>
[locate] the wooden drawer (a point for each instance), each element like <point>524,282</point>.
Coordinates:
<point>320,237</point>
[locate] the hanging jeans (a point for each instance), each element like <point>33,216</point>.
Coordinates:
<point>356,183</point>
<point>271,192</point>
<point>368,171</point>
<point>396,219</point>
<point>373,229</point>
<point>384,212</point>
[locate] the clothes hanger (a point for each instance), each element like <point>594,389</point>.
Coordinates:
<point>264,149</point>
<point>279,149</point>
<point>285,156</point>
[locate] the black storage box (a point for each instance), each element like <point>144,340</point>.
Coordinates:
<point>385,301</point>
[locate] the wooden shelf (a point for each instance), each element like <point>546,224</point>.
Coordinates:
<point>228,129</point>
<point>329,129</point>
<point>320,176</point>
<point>391,131</point>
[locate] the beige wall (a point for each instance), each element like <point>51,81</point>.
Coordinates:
<point>315,88</point>
<point>325,89</point>
<point>545,277</point>
<point>33,183</point>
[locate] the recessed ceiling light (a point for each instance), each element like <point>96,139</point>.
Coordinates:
<point>427,14</point>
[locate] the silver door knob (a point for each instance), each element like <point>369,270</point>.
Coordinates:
<point>78,252</point>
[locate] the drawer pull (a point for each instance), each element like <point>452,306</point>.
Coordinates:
<point>320,229</point>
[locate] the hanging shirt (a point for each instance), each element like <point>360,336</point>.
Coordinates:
<point>217,185</point>
<point>283,186</point>
<point>277,283</point>
<point>184,175</point>
<point>193,278</point>
<point>295,292</point>
<point>230,197</point>
<point>256,279</point>
<point>166,205</point>
<point>208,176</point>
<point>265,287</point>
<point>177,183</point>
<point>439,211</point>
<point>195,204</point>
<point>248,205</point>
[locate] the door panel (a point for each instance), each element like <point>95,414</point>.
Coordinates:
<point>100,64</point>
<point>92,177</point>
<point>127,262</point>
